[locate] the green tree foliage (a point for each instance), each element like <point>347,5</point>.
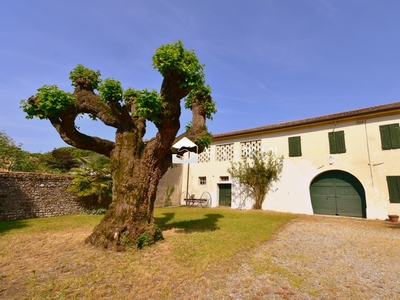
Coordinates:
<point>76,153</point>
<point>9,152</point>
<point>50,101</point>
<point>62,160</point>
<point>256,175</point>
<point>13,158</point>
<point>147,103</point>
<point>83,75</point>
<point>93,177</point>
<point>174,58</point>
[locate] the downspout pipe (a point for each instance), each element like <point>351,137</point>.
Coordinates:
<point>369,154</point>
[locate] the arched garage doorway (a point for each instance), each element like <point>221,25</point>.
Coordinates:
<point>338,193</point>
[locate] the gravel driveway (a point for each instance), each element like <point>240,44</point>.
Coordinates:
<point>317,257</point>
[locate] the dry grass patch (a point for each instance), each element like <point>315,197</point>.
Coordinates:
<point>47,258</point>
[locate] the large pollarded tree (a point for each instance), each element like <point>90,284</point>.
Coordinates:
<point>137,165</point>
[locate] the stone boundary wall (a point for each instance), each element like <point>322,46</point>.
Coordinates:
<point>36,195</point>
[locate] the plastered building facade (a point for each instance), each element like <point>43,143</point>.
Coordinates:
<point>344,164</point>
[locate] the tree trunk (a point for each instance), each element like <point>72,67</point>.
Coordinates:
<point>136,173</point>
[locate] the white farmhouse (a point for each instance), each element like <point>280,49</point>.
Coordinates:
<point>345,164</point>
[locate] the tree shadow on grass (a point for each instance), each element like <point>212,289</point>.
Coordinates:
<point>209,223</point>
<point>10,225</point>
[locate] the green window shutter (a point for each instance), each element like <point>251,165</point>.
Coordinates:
<point>332,143</point>
<point>336,142</point>
<point>340,142</point>
<point>394,135</point>
<point>385,137</point>
<point>294,146</point>
<point>393,183</point>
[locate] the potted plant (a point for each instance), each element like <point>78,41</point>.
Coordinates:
<point>393,218</point>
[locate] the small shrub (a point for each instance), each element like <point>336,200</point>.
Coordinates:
<point>168,194</point>
<point>99,211</point>
<point>144,240</point>
<point>158,236</point>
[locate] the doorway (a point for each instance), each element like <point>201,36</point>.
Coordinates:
<point>338,193</point>
<point>225,194</point>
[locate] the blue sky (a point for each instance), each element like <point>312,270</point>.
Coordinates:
<point>267,61</point>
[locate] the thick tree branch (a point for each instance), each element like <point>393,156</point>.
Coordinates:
<point>171,94</point>
<point>65,126</point>
<point>198,127</point>
<point>88,102</point>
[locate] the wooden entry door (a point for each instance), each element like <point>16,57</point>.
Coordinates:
<point>338,193</point>
<point>225,194</point>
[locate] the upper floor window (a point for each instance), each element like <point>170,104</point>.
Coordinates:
<point>294,146</point>
<point>390,136</point>
<point>336,142</point>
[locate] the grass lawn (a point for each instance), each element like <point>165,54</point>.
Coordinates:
<point>47,258</point>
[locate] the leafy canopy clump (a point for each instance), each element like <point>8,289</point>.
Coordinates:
<point>79,72</point>
<point>170,60</point>
<point>255,175</point>
<point>148,104</point>
<point>203,93</point>
<point>110,90</point>
<point>50,100</point>
<point>174,58</point>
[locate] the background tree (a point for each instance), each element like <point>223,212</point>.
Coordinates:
<point>62,160</point>
<point>13,158</point>
<point>136,165</point>
<point>255,175</point>
<point>9,152</point>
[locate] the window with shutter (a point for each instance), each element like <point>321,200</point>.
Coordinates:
<point>294,146</point>
<point>336,142</point>
<point>340,144</point>
<point>395,135</point>
<point>390,136</point>
<point>393,183</point>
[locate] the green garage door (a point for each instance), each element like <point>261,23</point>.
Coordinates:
<point>225,194</point>
<point>338,193</point>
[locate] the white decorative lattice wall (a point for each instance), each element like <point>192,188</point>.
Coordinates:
<point>224,152</point>
<point>247,148</point>
<point>205,155</point>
